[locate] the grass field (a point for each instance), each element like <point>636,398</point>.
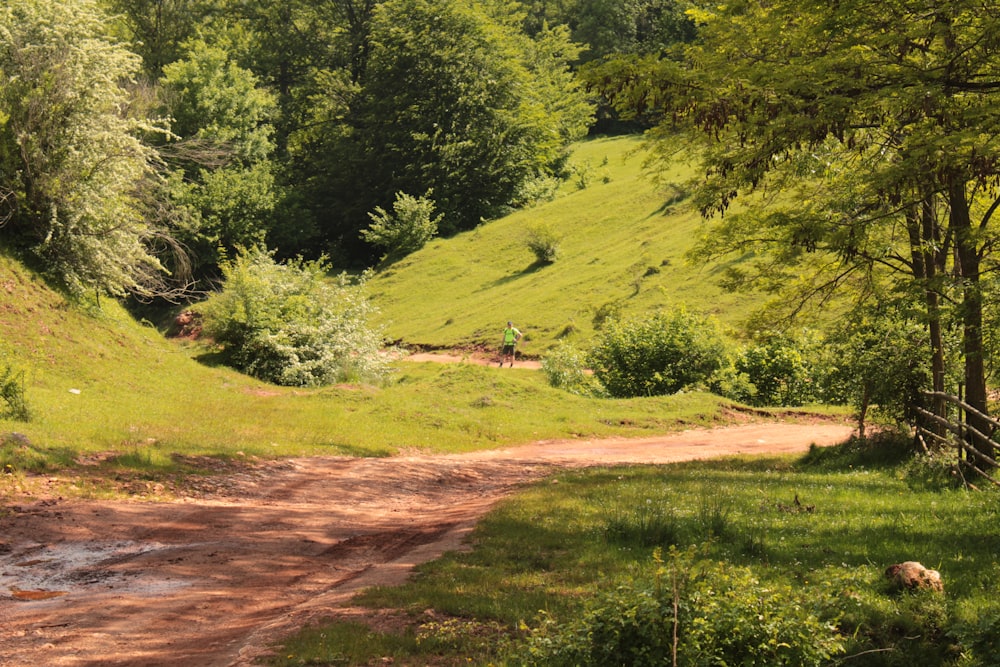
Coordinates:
<point>97,381</point>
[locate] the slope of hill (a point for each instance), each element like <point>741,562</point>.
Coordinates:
<point>97,381</point>
<point>622,249</point>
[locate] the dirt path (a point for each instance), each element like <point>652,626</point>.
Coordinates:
<point>479,357</point>
<point>217,580</point>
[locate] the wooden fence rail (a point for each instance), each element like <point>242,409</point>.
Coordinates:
<point>967,439</point>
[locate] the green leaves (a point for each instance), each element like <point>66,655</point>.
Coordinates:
<point>290,325</point>
<point>406,229</point>
<point>458,101</point>
<point>71,153</point>
<point>662,354</point>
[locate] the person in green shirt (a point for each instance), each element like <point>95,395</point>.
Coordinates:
<point>509,347</point>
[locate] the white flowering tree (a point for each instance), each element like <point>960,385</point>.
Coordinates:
<point>75,174</point>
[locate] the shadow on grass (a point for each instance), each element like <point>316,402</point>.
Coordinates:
<point>214,359</point>
<point>526,271</point>
<point>883,450</point>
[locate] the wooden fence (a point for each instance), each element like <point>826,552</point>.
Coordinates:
<point>976,450</point>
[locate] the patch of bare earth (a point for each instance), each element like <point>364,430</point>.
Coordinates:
<point>219,576</point>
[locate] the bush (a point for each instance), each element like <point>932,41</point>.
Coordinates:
<point>720,615</point>
<point>13,402</point>
<point>406,229</point>
<point>565,368</point>
<point>779,370</point>
<point>659,355</point>
<point>543,243</point>
<point>291,325</point>
<point>876,359</point>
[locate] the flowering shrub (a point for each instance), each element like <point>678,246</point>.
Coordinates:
<point>291,325</point>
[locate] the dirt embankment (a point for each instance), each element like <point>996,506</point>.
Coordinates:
<point>217,577</point>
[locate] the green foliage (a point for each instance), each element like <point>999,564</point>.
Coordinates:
<point>453,98</point>
<point>406,229</point>
<point>13,399</point>
<point>565,368</point>
<point>288,324</point>
<point>779,370</point>
<point>878,164</point>
<point>717,615</point>
<point>613,27</point>
<point>223,176</point>
<point>75,178</point>
<point>661,354</point>
<point>214,101</point>
<point>876,359</point>
<point>543,242</point>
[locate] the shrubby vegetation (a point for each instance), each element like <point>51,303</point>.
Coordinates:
<point>565,368</point>
<point>13,400</point>
<point>662,354</point>
<point>410,225</point>
<point>691,614</point>
<point>871,360</point>
<point>290,325</point>
<point>543,243</point>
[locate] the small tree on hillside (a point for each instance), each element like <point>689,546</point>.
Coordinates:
<point>406,229</point>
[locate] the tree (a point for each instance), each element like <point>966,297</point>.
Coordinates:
<point>225,176</point>
<point>406,229</point>
<point>875,360</point>
<point>157,28</point>
<point>77,179</point>
<point>609,27</point>
<point>878,119</point>
<point>453,98</point>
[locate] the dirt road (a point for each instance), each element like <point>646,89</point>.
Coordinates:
<point>218,577</point>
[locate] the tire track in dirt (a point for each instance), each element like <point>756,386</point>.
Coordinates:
<point>215,582</point>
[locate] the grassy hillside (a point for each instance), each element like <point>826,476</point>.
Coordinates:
<point>96,380</point>
<point>622,247</point>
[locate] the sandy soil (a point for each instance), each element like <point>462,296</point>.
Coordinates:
<point>219,576</point>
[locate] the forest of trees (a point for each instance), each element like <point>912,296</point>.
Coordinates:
<point>144,141</point>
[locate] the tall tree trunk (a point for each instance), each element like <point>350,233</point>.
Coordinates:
<point>972,311</point>
<point>927,260</point>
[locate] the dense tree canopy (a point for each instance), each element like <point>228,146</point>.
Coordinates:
<point>283,123</point>
<point>453,99</point>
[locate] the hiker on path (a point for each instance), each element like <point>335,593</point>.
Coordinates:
<point>510,337</point>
